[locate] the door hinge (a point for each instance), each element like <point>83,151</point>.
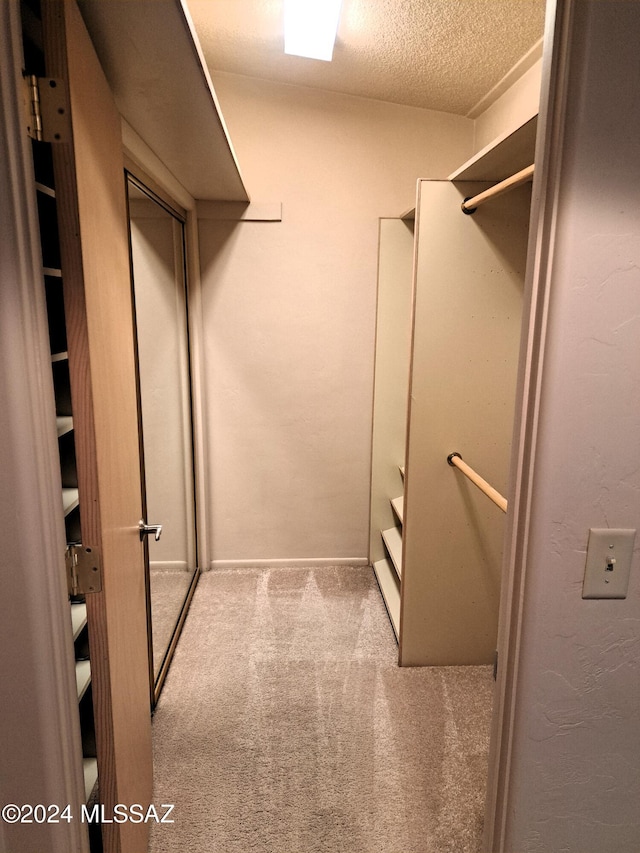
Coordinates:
<point>46,109</point>
<point>84,569</point>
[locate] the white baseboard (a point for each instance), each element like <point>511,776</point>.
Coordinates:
<point>306,562</point>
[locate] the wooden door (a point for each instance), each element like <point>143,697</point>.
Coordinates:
<point>90,192</point>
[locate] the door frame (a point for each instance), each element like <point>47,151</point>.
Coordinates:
<point>550,133</point>
<point>144,166</point>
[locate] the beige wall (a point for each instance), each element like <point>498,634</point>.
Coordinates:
<point>574,784</point>
<point>513,108</point>
<point>289,312</point>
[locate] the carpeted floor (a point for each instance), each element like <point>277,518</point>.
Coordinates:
<point>168,592</point>
<point>286,726</point>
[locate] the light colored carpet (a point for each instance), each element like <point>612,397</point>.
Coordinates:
<point>286,726</point>
<point>168,592</point>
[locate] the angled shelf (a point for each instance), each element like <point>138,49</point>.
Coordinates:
<point>70,500</point>
<point>45,190</point>
<point>507,154</point>
<point>398,507</point>
<point>78,618</point>
<point>83,677</point>
<point>390,589</point>
<point>393,542</point>
<point>90,770</point>
<point>64,425</point>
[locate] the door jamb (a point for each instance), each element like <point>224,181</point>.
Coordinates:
<point>530,380</point>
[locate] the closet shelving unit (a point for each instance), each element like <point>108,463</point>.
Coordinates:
<point>393,341</point>
<point>70,499</point>
<point>447,346</point>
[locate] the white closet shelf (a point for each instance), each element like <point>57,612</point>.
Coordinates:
<point>45,190</point>
<point>70,500</point>
<point>390,589</point>
<point>398,507</point>
<point>151,97</point>
<point>52,272</point>
<point>83,677</point>
<point>393,541</point>
<point>78,617</point>
<point>507,154</point>
<point>64,425</point>
<point>90,770</point>
<point>59,356</point>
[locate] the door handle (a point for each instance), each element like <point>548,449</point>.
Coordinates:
<point>147,529</point>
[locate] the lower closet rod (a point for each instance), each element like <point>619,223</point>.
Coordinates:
<point>457,461</point>
<point>469,205</point>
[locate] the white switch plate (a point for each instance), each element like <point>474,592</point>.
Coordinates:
<point>609,554</point>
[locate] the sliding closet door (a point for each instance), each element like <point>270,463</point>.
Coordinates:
<point>97,292</point>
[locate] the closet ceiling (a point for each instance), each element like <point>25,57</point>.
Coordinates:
<point>436,54</point>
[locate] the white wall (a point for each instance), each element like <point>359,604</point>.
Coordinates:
<point>574,782</point>
<point>289,312</point>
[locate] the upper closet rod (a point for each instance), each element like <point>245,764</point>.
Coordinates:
<point>456,460</point>
<point>470,205</point>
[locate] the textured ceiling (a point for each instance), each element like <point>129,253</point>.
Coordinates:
<point>438,54</point>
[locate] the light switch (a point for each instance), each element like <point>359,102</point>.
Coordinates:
<point>609,554</point>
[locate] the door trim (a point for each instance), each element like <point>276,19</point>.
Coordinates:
<point>143,165</point>
<point>535,314</point>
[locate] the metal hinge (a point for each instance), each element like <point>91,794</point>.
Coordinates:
<point>46,109</point>
<point>84,569</point>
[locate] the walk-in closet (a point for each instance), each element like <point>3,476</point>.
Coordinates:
<point>320,428</point>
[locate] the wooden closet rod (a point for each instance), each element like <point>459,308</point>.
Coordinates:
<point>456,460</point>
<point>470,205</point>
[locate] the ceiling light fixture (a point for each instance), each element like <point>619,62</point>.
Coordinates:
<point>310,27</point>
